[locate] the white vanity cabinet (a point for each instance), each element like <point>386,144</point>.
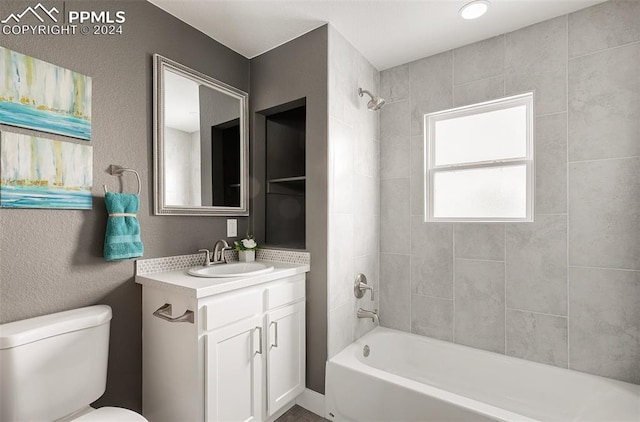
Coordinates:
<point>285,355</point>
<point>242,358</point>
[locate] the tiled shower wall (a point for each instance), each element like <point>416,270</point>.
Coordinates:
<point>354,194</point>
<point>564,290</point>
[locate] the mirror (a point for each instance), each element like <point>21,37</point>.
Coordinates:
<point>201,146</point>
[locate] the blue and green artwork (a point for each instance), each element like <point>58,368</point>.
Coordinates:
<point>38,95</point>
<point>44,173</point>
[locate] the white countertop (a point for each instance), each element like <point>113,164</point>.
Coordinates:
<point>179,281</point>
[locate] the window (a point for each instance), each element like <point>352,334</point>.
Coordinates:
<point>479,162</point>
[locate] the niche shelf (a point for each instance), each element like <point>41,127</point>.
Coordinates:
<point>288,179</point>
<point>287,186</point>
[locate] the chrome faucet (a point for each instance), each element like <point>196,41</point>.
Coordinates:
<point>207,257</point>
<point>218,256</point>
<point>218,252</point>
<point>363,313</point>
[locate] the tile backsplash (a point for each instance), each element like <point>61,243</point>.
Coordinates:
<point>170,263</point>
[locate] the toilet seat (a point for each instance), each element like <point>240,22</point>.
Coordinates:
<point>111,414</point>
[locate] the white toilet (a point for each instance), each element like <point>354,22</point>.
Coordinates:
<point>54,366</point>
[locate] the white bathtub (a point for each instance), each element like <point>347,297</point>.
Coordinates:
<point>413,378</point>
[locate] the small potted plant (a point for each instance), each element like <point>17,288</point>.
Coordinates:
<point>246,249</point>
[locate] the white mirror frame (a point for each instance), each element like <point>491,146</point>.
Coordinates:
<point>161,63</point>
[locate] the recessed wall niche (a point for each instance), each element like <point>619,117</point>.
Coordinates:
<point>285,138</point>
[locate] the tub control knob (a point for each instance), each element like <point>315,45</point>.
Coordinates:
<point>360,285</point>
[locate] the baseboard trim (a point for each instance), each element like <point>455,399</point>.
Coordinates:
<point>312,401</point>
<point>284,409</point>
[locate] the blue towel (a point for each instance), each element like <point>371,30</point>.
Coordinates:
<point>122,240</point>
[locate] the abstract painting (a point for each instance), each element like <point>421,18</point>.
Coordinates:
<point>43,173</point>
<point>38,95</point>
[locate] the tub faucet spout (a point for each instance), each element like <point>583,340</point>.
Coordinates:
<point>363,313</point>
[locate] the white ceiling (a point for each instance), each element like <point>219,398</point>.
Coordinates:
<point>387,32</point>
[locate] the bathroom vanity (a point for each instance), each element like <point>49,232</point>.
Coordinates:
<point>225,349</point>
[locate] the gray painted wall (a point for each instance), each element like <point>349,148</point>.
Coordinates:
<point>51,260</point>
<point>354,191</point>
<point>295,70</point>
<point>564,290</point>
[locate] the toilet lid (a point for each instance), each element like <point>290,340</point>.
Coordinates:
<point>111,414</point>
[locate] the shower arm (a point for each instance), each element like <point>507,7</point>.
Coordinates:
<point>361,93</point>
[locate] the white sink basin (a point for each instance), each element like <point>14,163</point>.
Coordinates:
<point>234,269</point>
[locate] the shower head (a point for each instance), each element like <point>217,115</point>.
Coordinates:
<point>375,104</point>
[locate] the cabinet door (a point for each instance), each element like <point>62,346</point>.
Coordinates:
<point>234,356</point>
<point>285,355</point>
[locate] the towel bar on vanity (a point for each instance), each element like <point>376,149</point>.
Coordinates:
<point>115,170</point>
<point>164,312</point>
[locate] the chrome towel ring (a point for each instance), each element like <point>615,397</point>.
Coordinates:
<point>115,170</point>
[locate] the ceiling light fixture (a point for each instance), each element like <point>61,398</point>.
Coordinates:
<point>474,9</point>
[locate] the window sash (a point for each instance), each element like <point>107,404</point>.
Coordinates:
<point>429,193</point>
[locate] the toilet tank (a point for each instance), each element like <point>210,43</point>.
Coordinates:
<point>53,365</point>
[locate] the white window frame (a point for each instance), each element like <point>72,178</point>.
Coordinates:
<point>430,168</point>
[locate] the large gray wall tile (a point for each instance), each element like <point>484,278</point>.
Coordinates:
<point>341,328</point>
<point>417,175</point>
<point>537,47</point>
<point>604,104</point>
<point>367,228</point>
<point>394,291</point>
<point>340,268</point>
<point>605,323</point>
<point>479,299</point>
<point>432,317</point>
<point>537,265</point>
<point>366,195</point>
<point>479,241</point>
<point>537,337</point>
<point>549,87</point>
<point>431,258</point>
<point>394,120</point>
<point>604,213</point>
<point>536,59</point>
<point>343,78</point>
<point>605,25</point>
<point>367,155</point>
<point>394,215</point>
<point>368,77</point>
<point>394,84</point>
<point>394,140</point>
<point>431,87</point>
<point>340,166</point>
<point>478,91</point>
<point>479,60</point>
<point>551,164</point>
<point>395,156</point>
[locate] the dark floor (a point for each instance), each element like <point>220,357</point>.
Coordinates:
<point>300,414</point>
